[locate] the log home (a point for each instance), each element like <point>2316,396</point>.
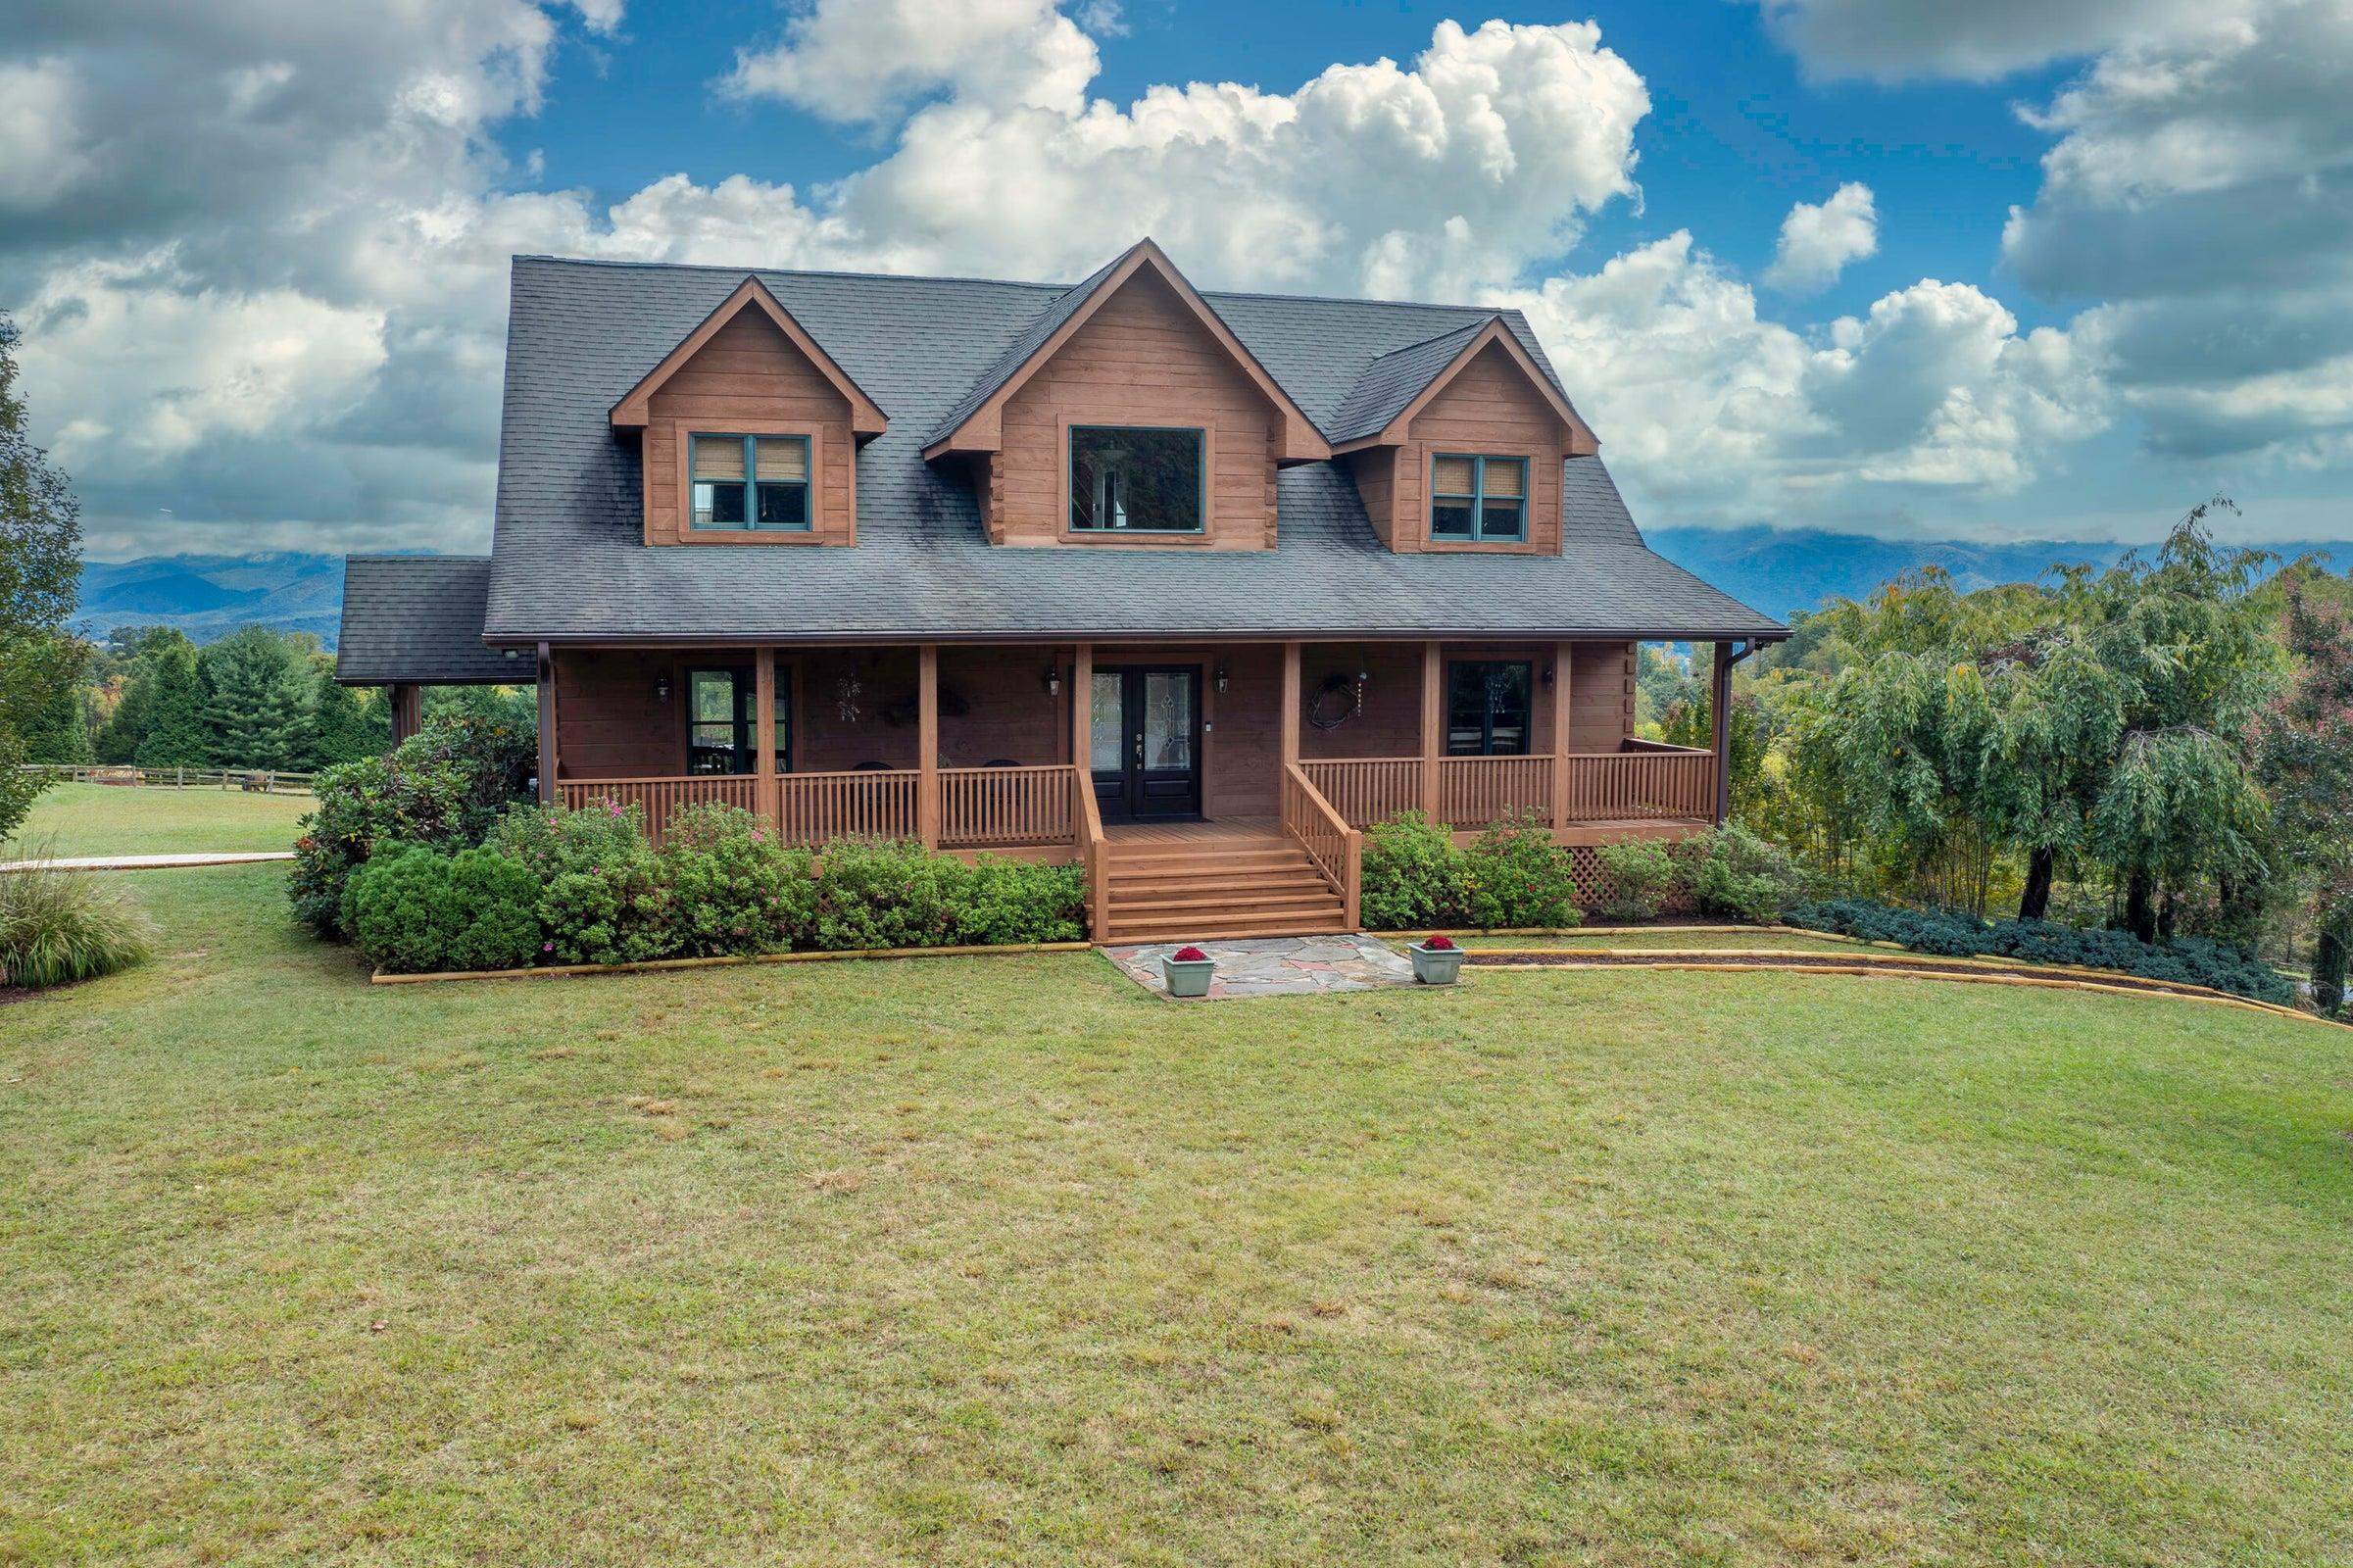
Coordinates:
<point>1188,587</point>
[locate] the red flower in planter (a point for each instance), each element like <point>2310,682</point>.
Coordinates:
<point>1189,955</point>
<point>1439,943</point>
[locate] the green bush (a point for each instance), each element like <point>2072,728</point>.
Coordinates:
<point>1514,876</point>
<point>56,927</point>
<point>1957,934</point>
<point>732,887</point>
<point>1413,875</point>
<point>1637,877</point>
<point>552,839</point>
<point>443,788</point>
<point>416,910</point>
<point>1004,901</point>
<point>1735,875</point>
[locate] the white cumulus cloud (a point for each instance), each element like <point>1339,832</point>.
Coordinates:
<point>1819,239</point>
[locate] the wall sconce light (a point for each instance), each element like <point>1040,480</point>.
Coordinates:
<point>1054,680</point>
<point>1547,674</point>
<point>662,688</point>
<point>1220,677</point>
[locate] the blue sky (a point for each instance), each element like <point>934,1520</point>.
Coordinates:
<point>2024,269</point>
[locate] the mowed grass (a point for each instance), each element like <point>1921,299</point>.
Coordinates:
<point>1001,1260</point>
<point>74,820</point>
<point>1639,941</point>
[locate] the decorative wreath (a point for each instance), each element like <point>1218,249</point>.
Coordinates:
<point>1338,700</point>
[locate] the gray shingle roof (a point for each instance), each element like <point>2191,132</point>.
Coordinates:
<point>568,560</point>
<point>1026,343</point>
<point>1393,380</point>
<point>418,619</point>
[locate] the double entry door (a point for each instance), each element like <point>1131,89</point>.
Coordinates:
<point>1145,741</point>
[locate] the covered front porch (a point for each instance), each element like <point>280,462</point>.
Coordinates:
<point>1086,750</point>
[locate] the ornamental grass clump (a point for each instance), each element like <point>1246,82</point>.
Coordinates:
<point>58,927</point>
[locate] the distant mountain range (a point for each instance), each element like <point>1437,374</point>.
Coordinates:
<point>208,597</point>
<point>1779,571</point>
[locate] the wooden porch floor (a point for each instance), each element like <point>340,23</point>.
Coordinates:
<point>1226,831</point>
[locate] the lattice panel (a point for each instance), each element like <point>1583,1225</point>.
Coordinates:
<point>1592,884</point>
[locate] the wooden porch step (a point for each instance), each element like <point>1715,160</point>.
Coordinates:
<point>1205,931</point>
<point>1274,904</point>
<point>1210,877</point>
<point>1158,858</point>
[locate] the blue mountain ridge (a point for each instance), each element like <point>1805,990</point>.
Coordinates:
<point>1779,571</point>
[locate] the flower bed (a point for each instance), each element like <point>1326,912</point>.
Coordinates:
<point>1949,933</point>
<point>553,887</point>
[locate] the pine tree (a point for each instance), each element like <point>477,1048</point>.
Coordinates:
<point>253,708</point>
<point>57,731</point>
<point>137,653</point>
<point>345,727</point>
<point>176,735</point>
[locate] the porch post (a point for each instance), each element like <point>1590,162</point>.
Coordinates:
<point>1433,721</point>
<point>1289,729</point>
<point>764,732</point>
<point>1082,704</point>
<point>1720,713</point>
<point>407,710</point>
<point>547,726</point>
<point>927,743</point>
<point>1563,683</point>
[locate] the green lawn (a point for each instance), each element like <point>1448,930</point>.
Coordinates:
<point>119,819</point>
<point>1624,941</point>
<point>1001,1260</point>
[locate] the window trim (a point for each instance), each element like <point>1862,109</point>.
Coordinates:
<point>752,526</point>
<point>1487,721</point>
<point>1479,534</point>
<point>1202,441</point>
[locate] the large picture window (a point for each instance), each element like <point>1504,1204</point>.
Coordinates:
<point>751,482</point>
<point>1478,498</point>
<point>1135,480</point>
<point>1486,708</point>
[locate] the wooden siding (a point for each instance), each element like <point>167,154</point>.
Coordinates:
<point>1487,408</point>
<point>1142,359</point>
<point>750,379</point>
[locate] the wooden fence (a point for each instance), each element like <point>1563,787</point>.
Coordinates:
<point>252,780</point>
<point>981,806</point>
<point>1644,780</point>
<point>659,798</point>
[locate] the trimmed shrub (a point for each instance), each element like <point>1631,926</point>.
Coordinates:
<point>1735,875</point>
<point>416,910</point>
<point>1413,874</point>
<point>56,927</point>
<point>442,788</point>
<point>732,887</point>
<point>1957,934</point>
<point>1004,901</point>
<point>883,894</point>
<point>550,840</point>
<point>1638,875</point>
<point>1515,876</point>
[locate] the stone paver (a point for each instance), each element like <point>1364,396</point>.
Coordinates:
<point>1276,966</point>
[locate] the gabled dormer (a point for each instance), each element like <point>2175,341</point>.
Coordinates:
<point>1456,444</point>
<point>1127,414</point>
<point>749,433</point>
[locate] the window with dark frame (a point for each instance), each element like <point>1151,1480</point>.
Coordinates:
<point>750,482</point>
<point>723,721</point>
<point>1488,707</point>
<point>1478,498</point>
<point>1136,480</point>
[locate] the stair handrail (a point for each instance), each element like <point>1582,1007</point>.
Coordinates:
<point>1336,849</point>
<point>1086,831</point>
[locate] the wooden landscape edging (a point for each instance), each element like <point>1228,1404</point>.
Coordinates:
<point>1735,960</point>
<point>559,971</point>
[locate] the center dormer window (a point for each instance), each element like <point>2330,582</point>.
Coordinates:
<point>751,482</point>
<point>1478,498</point>
<point>1135,480</point>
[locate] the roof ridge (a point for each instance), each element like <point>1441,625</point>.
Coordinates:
<point>1451,332</point>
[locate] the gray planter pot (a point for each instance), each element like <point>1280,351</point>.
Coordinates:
<point>1188,979</point>
<point>1436,966</point>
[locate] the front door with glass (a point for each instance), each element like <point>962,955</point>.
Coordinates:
<point>722,725</point>
<point>1145,741</point>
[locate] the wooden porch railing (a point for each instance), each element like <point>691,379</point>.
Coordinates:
<point>980,807</point>
<point>1337,848</point>
<point>1611,786</point>
<point>659,798</point>
<point>813,807</point>
<point>1474,791</point>
<point>1094,852</point>
<point>1367,789</point>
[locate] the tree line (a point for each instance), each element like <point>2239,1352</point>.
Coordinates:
<point>2165,746</point>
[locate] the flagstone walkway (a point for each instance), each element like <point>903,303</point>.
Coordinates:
<point>1276,966</point>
